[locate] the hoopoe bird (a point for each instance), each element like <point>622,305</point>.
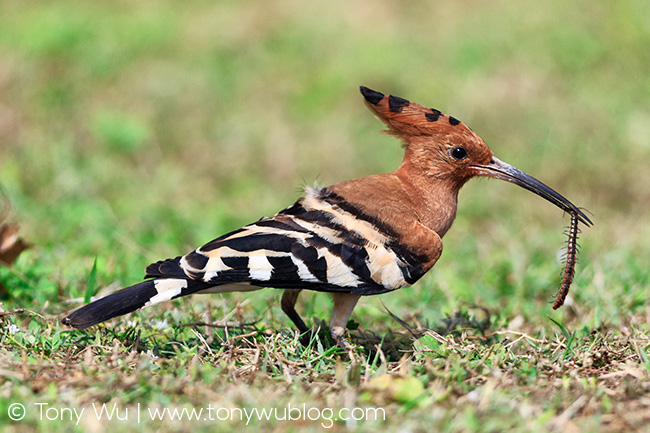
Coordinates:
<point>361,237</point>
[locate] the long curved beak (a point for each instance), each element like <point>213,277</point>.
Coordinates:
<point>501,170</point>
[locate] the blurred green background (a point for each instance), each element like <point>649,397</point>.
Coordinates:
<point>133,131</point>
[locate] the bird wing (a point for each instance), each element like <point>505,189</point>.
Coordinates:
<point>314,244</point>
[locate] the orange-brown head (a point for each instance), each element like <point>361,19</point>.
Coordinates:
<point>441,146</point>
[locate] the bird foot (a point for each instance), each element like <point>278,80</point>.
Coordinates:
<point>345,344</point>
<point>342,342</point>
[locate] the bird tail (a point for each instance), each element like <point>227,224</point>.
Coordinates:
<point>132,298</point>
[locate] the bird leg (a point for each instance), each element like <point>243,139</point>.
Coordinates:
<point>288,303</point>
<point>344,303</point>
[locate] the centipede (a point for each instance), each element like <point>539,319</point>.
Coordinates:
<point>570,261</point>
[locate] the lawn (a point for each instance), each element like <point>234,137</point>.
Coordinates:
<point>135,131</point>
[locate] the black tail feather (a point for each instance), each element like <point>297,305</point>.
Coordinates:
<point>121,302</point>
<point>132,298</point>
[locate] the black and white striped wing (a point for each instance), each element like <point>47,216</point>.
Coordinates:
<point>311,245</point>
<point>272,252</point>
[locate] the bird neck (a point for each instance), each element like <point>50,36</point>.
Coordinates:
<point>434,198</point>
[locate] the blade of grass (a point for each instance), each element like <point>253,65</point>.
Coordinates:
<point>90,285</point>
<point>570,338</point>
<point>559,325</point>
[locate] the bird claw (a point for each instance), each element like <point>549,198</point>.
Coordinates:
<point>343,343</point>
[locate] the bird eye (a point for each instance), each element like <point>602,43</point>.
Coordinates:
<point>458,153</point>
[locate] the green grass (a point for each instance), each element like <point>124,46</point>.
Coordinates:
<point>135,132</point>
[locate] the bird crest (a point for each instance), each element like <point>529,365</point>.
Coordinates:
<point>407,119</point>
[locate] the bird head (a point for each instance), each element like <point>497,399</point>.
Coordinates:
<point>440,146</point>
